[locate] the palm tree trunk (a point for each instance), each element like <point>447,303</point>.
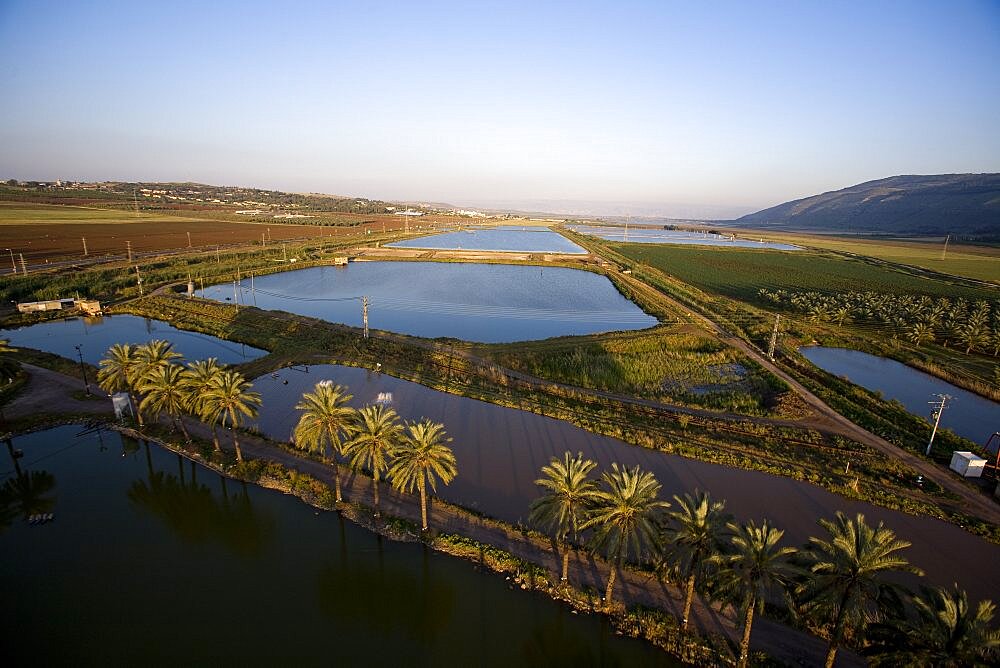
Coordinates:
<point>565,561</point>
<point>215,439</point>
<point>423,503</point>
<point>187,437</point>
<point>336,480</point>
<point>838,630</point>
<point>236,440</point>
<point>375,488</point>
<point>609,590</point>
<point>688,599</point>
<point>745,643</point>
<point>138,413</point>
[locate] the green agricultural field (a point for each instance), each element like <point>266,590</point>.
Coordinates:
<point>740,273</point>
<point>19,213</point>
<point>979,262</point>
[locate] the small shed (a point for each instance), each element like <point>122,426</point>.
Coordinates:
<point>340,260</point>
<point>89,306</point>
<point>967,464</point>
<point>47,305</point>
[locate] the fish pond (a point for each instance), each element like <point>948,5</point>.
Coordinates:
<point>515,239</point>
<point>152,560</point>
<point>966,413</point>
<point>96,335</point>
<point>500,451</point>
<point>488,303</point>
<point>646,235</point>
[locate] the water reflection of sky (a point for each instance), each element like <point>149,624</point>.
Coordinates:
<point>645,235</point>
<point>474,302</point>
<point>526,239</point>
<point>96,335</point>
<point>966,413</point>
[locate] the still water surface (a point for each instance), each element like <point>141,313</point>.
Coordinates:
<point>500,451</point>
<point>96,335</point>
<point>476,302</point>
<point>967,414</point>
<point>645,235</point>
<point>525,239</point>
<point>152,560</point>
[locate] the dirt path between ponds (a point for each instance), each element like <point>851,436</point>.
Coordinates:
<point>50,391</point>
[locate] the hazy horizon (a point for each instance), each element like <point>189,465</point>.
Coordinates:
<point>633,109</point>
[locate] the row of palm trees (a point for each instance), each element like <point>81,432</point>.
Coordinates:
<point>837,581</point>
<point>919,319</point>
<point>156,384</point>
<point>411,456</point>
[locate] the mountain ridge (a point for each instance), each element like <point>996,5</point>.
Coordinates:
<point>965,205</point>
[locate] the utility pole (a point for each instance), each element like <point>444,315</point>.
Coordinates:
<point>940,403</point>
<point>189,239</point>
<point>253,291</point>
<point>236,299</point>
<point>364,314</point>
<point>135,201</point>
<point>83,370</point>
<point>84,239</point>
<point>625,239</point>
<point>202,279</point>
<point>263,244</point>
<point>190,286</point>
<point>128,248</point>
<point>24,265</point>
<point>138,279</point>
<point>774,338</point>
<point>944,251</point>
<point>218,258</point>
<point>12,263</point>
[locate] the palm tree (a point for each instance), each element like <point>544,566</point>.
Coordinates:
<point>118,372</point>
<point>198,382</point>
<point>755,568</point>
<point>375,434</point>
<point>696,533</point>
<point>846,574</point>
<point>165,390</point>
<point>325,420</point>
<point>152,355</point>
<point>421,456</point>
<point>569,494</point>
<point>920,332</point>
<point>624,517</point>
<point>947,632</point>
<point>230,397</point>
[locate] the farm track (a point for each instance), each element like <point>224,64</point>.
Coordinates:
<point>984,507</point>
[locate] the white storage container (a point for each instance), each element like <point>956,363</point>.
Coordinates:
<point>967,464</point>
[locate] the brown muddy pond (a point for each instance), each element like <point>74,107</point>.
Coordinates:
<point>500,451</point>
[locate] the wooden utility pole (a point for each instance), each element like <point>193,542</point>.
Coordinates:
<point>236,299</point>
<point>138,279</point>
<point>189,239</point>
<point>940,403</point>
<point>84,239</point>
<point>24,265</point>
<point>128,249</point>
<point>218,258</point>
<point>253,291</point>
<point>774,338</point>
<point>944,251</point>
<point>364,314</point>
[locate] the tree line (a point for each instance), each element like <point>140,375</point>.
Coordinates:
<point>968,326</point>
<point>838,582</point>
<point>410,455</point>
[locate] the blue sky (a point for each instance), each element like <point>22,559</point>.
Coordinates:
<point>711,108</point>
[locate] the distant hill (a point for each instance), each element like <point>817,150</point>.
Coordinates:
<point>966,205</point>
